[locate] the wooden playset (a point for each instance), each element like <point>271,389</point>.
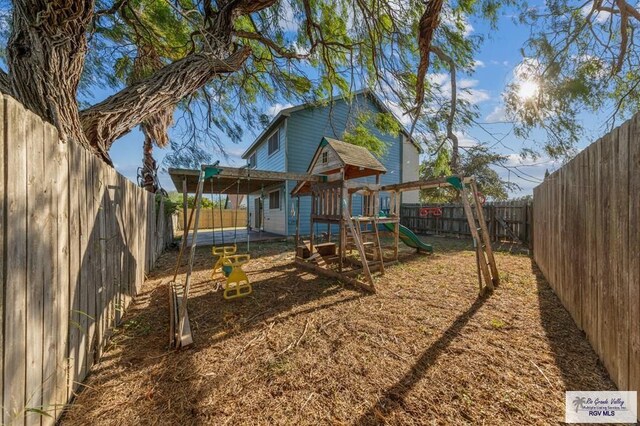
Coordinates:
<point>354,246</point>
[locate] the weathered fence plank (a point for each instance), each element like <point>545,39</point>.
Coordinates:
<point>73,353</point>
<point>48,247</point>
<point>634,255</point>
<point>585,235</point>
<point>3,192</point>
<point>78,239</point>
<point>60,196</point>
<point>16,264</point>
<point>38,264</point>
<point>211,217</point>
<point>621,212</point>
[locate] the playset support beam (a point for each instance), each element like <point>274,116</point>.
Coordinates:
<point>423,184</point>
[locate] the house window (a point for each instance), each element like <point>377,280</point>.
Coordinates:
<point>274,142</point>
<point>274,200</point>
<point>325,157</point>
<point>253,161</point>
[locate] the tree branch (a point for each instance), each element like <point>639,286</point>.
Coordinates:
<point>103,123</point>
<point>426,29</point>
<point>283,53</point>
<point>455,157</point>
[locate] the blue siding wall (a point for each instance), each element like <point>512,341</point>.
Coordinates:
<point>305,129</point>
<point>273,220</point>
<point>276,161</point>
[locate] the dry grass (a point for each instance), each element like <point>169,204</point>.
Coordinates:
<point>307,350</point>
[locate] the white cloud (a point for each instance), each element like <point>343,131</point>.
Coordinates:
<point>478,64</point>
<point>467,89</point>
<point>516,160</point>
<point>465,141</point>
<point>438,79</point>
<point>287,18</point>
<point>498,114</point>
<point>470,93</point>
<point>467,83</point>
<point>276,108</point>
<point>301,50</point>
<point>475,96</point>
<point>450,20</point>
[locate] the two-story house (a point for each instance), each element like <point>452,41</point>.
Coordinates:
<point>289,143</point>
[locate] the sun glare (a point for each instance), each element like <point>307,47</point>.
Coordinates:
<point>528,90</point>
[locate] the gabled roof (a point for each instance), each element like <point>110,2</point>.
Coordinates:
<point>353,161</point>
<point>354,155</point>
<point>286,112</point>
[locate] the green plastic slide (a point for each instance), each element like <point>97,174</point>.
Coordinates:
<point>409,238</point>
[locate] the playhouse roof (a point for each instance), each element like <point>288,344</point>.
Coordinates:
<point>356,162</point>
<point>354,155</point>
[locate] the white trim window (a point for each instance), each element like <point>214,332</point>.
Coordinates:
<point>253,161</point>
<point>274,200</point>
<point>325,157</point>
<point>274,142</point>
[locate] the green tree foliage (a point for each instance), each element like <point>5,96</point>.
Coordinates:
<point>581,56</point>
<point>171,206</point>
<point>476,162</point>
<point>267,51</point>
<point>217,62</point>
<point>207,202</point>
<point>365,128</point>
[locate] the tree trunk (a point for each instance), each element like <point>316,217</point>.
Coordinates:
<point>46,56</point>
<point>149,176</point>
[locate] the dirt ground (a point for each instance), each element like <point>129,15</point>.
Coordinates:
<point>304,349</point>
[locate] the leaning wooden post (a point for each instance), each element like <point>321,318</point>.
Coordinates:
<point>185,204</point>
<point>183,244</point>
<point>341,229</point>
<point>485,235</point>
<point>313,212</point>
<point>297,221</point>
<point>474,232</point>
<point>396,228</point>
<point>478,256</point>
<point>192,254</point>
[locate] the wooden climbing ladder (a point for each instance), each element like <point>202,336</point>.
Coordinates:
<point>484,253</point>
<point>355,237</point>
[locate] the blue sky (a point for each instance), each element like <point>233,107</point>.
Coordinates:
<point>496,60</point>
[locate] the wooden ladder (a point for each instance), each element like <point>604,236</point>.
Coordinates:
<point>354,232</point>
<point>376,244</point>
<point>508,229</point>
<point>478,225</point>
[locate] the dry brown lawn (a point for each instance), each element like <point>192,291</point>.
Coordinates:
<point>304,349</point>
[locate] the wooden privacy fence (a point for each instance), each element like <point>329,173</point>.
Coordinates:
<point>76,241</point>
<point>229,218</point>
<point>506,221</point>
<point>587,245</point>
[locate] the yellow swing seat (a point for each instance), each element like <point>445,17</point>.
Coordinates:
<point>237,284</point>
<point>222,252</point>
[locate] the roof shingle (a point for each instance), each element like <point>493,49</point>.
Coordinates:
<point>354,155</point>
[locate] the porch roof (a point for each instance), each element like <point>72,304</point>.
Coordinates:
<point>230,180</point>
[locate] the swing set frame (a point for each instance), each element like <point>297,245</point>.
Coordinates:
<point>230,181</point>
<point>248,181</point>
